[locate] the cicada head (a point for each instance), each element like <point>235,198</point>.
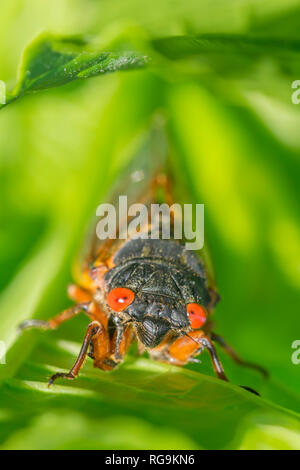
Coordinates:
<point>152,318</point>
<point>156,298</point>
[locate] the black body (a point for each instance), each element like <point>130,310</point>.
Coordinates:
<point>165,277</point>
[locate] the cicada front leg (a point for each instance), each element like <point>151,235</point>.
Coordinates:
<point>94,330</point>
<point>206,342</point>
<point>186,347</point>
<point>108,354</point>
<point>121,341</point>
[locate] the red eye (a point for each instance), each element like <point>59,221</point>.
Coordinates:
<point>119,298</point>
<point>197,315</point>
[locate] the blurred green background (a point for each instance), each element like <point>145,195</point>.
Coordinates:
<point>225,101</point>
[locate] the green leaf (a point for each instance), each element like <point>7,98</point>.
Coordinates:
<point>50,62</point>
<point>59,154</point>
<point>172,408</point>
<point>233,55</point>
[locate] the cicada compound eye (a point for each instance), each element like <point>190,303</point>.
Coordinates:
<point>197,315</point>
<point>120,298</point>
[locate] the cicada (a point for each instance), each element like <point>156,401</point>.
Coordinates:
<point>143,289</point>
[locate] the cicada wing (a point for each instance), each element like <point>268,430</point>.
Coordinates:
<point>183,193</point>
<point>136,184</point>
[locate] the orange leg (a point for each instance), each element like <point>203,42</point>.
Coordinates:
<point>79,294</point>
<point>76,293</point>
<point>57,320</point>
<point>108,354</point>
<point>90,308</point>
<point>94,329</point>
<point>184,348</point>
<point>100,350</point>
